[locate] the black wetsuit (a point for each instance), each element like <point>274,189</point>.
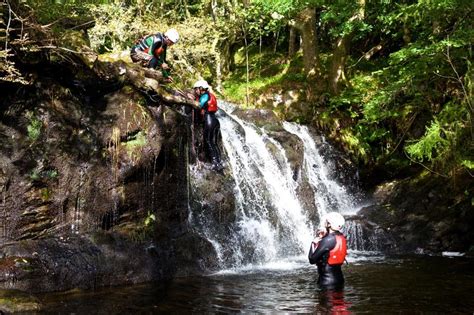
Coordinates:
<point>329,275</point>
<point>211,130</point>
<point>211,133</point>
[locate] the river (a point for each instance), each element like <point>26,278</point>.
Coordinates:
<point>374,285</point>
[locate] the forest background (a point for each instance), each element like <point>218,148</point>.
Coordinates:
<point>391,82</point>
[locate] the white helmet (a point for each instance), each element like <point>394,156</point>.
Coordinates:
<point>335,220</point>
<point>202,84</point>
<point>172,35</point>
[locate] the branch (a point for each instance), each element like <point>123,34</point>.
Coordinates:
<point>8,24</point>
<point>404,133</point>
<point>426,167</point>
<point>367,55</point>
<point>459,79</point>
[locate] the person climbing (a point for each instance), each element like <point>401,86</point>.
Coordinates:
<point>208,105</point>
<point>150,51</point>
<point>329,252</point>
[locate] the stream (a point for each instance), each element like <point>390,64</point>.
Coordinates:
<point>374,285</point>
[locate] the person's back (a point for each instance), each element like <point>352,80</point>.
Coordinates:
<point>329,252</point>
<point>329,268</point>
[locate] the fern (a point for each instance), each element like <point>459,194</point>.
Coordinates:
<point>430,145</point>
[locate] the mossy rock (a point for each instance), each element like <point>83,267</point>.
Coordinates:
<point>14,301</point>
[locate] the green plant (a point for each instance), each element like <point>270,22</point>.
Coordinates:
<point>34,128</point>
<point>134,145</point>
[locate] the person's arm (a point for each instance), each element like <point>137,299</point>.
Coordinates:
<point>203,99</point>
<point>325,245</point>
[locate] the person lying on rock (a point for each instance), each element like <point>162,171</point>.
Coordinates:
<point>150,51</point>
<point>329,252</point>
<point>207,103</point>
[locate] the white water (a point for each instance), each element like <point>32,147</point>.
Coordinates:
<point>329,194</point>
<point>272,229</point>
<point>271,219</point>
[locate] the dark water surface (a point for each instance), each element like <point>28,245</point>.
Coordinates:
<point>374,285</point>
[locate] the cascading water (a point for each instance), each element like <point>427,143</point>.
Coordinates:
<point>271,219</point>
<point>270,223</point>
<point>329,194</point>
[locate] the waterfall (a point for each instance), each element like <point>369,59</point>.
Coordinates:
<point>329,194</point>
<point>270,222</point>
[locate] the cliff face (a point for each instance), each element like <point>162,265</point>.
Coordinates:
<point>93,182</point>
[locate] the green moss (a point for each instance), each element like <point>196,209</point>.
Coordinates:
<point>34,128</point>
<point>135,145</point>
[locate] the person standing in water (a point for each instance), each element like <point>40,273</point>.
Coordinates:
<point>329,252</point>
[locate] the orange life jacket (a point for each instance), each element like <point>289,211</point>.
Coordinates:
<point>337,255</point>
<point>212,103</point>
<point>211,106</point>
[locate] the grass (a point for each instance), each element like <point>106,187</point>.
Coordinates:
<point>267,71</point>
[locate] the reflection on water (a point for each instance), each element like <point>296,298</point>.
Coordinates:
<point>417,285</point>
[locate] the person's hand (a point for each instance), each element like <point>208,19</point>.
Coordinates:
<point>164,66</point>
<point>168,80</point>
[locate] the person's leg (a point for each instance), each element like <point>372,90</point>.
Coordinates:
<point>215,139</point>
<point>211,133</point>
<point>154,63</point>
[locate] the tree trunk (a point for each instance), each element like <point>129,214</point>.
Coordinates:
<point>186,11</point>
<point>306,23</point>
<point>292,45</point>
<point>337,72</point>
<point>218,63</point>
<point>337,76</point>
<point>213,7</point>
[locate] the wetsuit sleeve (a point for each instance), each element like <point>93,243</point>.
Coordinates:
<point>203,100</point>
<point>325,245</point>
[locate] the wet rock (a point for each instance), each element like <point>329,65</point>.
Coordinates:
<point>194,254</point>
<point>80,262</point>
<point>93,189</point>
<point>366,235</point>
<point>14,301</point>
<point>426,212</point>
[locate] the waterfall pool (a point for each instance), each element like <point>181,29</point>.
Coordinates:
<point>374,285</point>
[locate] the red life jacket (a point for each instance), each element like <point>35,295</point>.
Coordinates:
<point>212,103</point>
<point>211,106</point>
<point>337,255</point>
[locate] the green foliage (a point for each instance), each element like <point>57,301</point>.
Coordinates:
<point>412,98</point>
<point>145,230</point>
<point>37,175</point>
<point>34,127</point>
<point>432,143</point>
<point>151,218</point>
<point>116,27</point>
